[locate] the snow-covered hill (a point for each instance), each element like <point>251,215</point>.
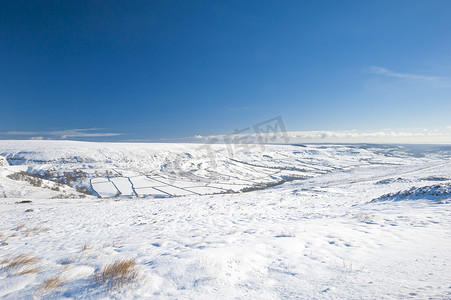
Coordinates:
<point>315,221</point>
<point>166,170</point>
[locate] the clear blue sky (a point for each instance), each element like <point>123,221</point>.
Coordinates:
<point>172,69</point>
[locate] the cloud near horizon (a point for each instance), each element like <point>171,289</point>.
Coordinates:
<point>62,134</point>
<point>408,136</point>
<point>418,136</point>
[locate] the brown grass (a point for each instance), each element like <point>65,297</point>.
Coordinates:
<point>36,229</point>
<point>27,231</point>
<point>29,270</point>
<point>117,274</point>
<point>85,247</point>
<point>50,285</point>
<point>22,264</point>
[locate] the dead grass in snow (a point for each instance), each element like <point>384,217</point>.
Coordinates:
<point>117,274</point>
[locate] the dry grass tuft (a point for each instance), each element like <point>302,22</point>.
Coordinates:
<point>50,285</point>
<point>29,270</point>
<point>35,230</point>
<point>22,264</point>
<point>117,274</point>
<point>27,231</point>
<point>20,260</point>
<point>85,247</point>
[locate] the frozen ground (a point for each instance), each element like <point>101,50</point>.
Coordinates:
<point>360,222</point>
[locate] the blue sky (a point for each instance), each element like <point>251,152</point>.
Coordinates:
<point>164,70</point>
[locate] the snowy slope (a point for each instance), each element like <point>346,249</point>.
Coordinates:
<point>368,222</point>
<point>108,169</point>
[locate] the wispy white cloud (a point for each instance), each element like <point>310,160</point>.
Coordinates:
<point>62,134</point>
<point>418,136</point>
<point>371,136</point>
<point>410,76</point>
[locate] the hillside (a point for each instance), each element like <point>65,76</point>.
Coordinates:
<point>314,221</point>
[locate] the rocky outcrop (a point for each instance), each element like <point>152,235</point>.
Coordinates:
<point>3,162</point>
<point>439,192</point>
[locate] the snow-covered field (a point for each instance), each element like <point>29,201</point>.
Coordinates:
<point>280,221</point>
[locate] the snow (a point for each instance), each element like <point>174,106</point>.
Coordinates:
<point>124,185</point>
<point>105,188</point>
<point>368,222</point>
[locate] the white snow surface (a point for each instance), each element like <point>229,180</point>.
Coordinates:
<point>366,221</point>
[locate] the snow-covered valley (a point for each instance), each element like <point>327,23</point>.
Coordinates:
<point>279,221</point>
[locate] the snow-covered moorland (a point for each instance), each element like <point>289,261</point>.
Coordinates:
<point>104,220</point>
